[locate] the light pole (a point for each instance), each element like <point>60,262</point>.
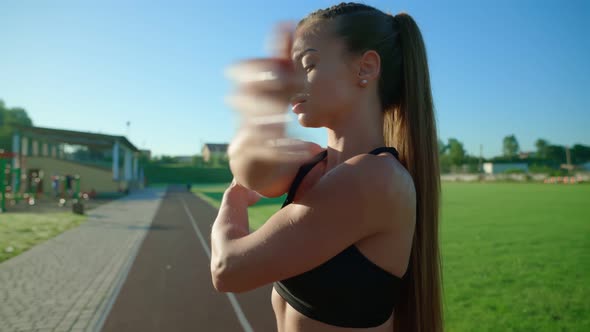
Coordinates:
<point>127,130</point>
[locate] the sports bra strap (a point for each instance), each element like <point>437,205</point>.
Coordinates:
<point>382,149</point>
<point>305,168</point>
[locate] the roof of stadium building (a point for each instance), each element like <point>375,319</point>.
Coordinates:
<point>75,137</point>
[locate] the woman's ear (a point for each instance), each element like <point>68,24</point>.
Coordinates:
<point>369,66</point>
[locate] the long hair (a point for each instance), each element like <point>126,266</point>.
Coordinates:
<point>410,127</point>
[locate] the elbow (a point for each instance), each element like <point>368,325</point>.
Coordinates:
<point>224,279</point>
<point>240,172</point>
<point>252,174</point>
<point>219,275</point>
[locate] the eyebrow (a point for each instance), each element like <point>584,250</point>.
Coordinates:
<point>300,55</point>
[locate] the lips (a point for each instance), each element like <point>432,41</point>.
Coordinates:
<point>297,108</point>
<point>297,100</point>
<point>295,103</point>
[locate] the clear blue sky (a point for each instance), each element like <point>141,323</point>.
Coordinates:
<point>497,67</point>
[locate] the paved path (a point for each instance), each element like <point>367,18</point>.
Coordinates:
<point>140,263</point>
<point>169,285</point>
<point>67,283</point>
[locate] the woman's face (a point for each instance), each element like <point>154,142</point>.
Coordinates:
<point>330,84</point>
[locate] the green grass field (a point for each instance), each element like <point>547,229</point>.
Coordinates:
<point>257,214</point>
<point>22,231</point>
<point>516,257</point>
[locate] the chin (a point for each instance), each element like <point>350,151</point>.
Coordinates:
<point>308,121</point>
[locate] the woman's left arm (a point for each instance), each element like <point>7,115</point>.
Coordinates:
<point>231,222</point>
<point>342,208</point>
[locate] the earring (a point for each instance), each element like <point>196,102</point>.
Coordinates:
<point>364,82</point>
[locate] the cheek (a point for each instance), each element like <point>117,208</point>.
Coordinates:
<point>329,92</point>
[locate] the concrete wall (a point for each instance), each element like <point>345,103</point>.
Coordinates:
<point>91,177</point>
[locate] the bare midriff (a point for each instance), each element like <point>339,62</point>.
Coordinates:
<point>290,320</point>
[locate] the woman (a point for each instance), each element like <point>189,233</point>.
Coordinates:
<point>357,237</point>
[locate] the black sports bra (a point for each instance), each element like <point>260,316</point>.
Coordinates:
<point>348,290</point>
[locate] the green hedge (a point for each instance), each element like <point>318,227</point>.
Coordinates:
<point>164,174</point>
<point>514,171</point>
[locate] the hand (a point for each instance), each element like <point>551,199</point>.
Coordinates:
<point>265,88</point>
<point>236,191</point>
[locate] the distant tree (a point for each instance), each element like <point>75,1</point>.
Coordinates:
<point>16,116</point>
<point>451,155</point>
<point>510,147</point>
<point>6,138</point>
<point>541,145</point>
<point>580,153</point>
<point>456,152</point>
<point>442,148</point>
<point>164,159</point>
<point>556,154</point>
<point>445,163</point>
<point>472,163</point>
<point>2,108</point>
<point>9,119</point>
<point>198,161</point>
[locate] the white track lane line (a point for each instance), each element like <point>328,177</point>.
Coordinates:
<point>232,298</point>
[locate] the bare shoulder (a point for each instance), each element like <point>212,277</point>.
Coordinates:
<point>385,182</point>
<point>383,171</point>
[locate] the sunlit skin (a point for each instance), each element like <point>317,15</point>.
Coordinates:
<point>352,197</point>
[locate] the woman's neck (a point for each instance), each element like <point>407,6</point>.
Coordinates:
<point>352,137</point>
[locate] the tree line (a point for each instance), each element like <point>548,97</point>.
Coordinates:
<point>10,118</point>
<point>546,157</point>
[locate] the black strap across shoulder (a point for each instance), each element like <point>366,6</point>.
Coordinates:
<point>382,149</point>
<point>305,168</point>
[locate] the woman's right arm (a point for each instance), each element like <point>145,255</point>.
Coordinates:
<point>262,157</point>
<point>270,173</point>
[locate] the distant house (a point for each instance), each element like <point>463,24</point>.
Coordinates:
<point>496,168</point>
<point>210,149</point>
<point>43,155</point>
